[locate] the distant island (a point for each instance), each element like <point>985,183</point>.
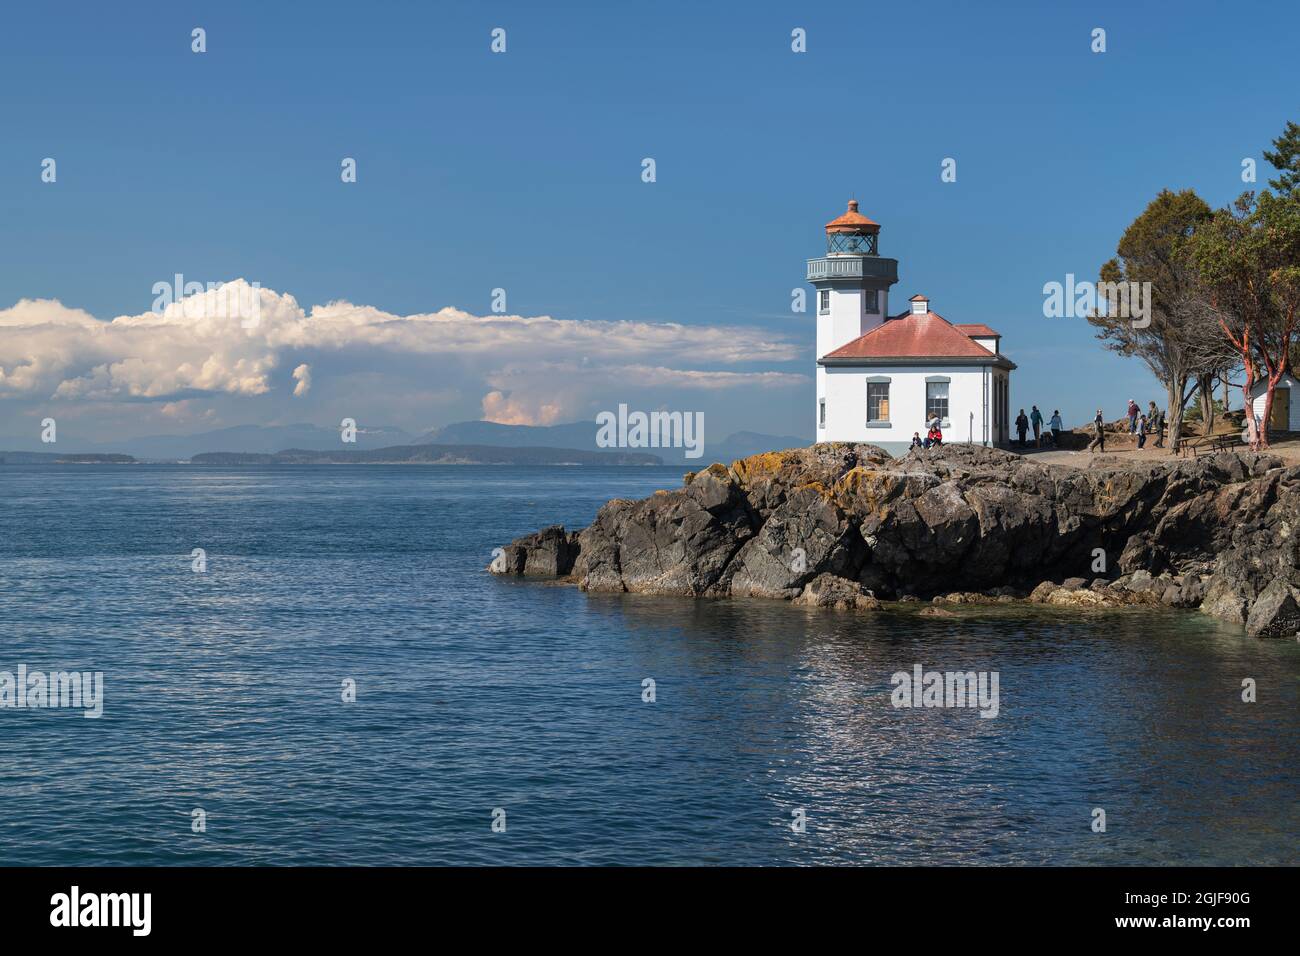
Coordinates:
<point>425,454</point>
<point>428,455</point>
<point>58,458</point>
<point>270,440</point>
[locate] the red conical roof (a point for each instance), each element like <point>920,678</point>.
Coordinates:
<point>852,221</point>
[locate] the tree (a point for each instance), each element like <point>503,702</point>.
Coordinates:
<point>1249,258</point>
<point>1175,339</point>
<point>1286,159</point>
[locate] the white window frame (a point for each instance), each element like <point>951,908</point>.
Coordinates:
<point>947,400</point>
<point>823,301</point>
<point>821,413</point>
<point>885,419</point>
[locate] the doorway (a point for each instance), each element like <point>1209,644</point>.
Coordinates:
<point>1279,416</point>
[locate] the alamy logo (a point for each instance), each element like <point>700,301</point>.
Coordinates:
<point>1078,300</point>
<point>652,430</point>
<point>922,688</point>
<point>103,909</point>
<point>36,690</point>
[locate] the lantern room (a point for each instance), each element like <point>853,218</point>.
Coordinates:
<point>852,234</point>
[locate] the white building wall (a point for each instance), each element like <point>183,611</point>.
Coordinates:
<point>1257,400</point>
<point>848,318</point>
<point>845,390</point>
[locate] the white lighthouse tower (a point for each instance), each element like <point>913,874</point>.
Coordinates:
<point>852,282</point>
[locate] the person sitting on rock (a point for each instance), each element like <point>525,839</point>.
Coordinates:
<point>916,441</point>
<point>934,437</point>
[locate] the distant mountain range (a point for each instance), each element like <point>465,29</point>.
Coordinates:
<point>583,435</point>
<point>299,439</point>
<point>427,455</point>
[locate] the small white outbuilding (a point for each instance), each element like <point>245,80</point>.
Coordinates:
<point>1285,414</point>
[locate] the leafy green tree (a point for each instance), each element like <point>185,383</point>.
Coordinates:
<point>1175,341</point>
<point>1248,256</point>
<point>1285,158</point>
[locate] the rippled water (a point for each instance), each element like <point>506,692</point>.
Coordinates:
<point>223,693</point>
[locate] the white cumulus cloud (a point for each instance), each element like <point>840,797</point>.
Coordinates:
<point>526,369</point>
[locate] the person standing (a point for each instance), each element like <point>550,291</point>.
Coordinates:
<point>1022,426</point>
<point>1142,431</point>
<point>1098,434</point>
<point>1132,417</point>
<point>1057,427</point>
<point>1036,419</point>
<point>1159,428</point>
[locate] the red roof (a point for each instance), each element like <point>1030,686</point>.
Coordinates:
<point>977,330</point>
<point>852,221</point>
<point>929,335</point>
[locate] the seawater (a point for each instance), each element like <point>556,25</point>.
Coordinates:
<point>223,692</point>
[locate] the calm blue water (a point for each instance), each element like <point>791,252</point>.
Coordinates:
<point>223,692</point>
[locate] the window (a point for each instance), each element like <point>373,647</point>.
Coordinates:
<point>823,301</point>
<point>821,413</point>
<point>936,401</point>
<point>877,402</point>
<point>869,303</point>
<point>920,307</point>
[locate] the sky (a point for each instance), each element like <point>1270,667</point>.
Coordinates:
<point>522,171</point>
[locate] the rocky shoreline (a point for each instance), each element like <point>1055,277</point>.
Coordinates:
<point>846,526</point>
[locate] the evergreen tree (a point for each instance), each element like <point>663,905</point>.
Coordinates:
<point>1286,159</point>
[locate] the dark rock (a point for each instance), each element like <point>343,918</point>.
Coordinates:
<point>1213,532</point>
<point>551,551</point>
<point>1276,612</point>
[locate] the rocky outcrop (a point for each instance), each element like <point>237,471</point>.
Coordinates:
<point>1276,612</point>
<point>548,552</point>
<point>841,594</point>
<point>843,525</point>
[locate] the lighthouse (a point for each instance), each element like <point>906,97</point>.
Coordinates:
<point>852,280</point>
<point>882,377</point>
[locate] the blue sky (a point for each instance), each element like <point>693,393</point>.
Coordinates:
<point>522,171</point>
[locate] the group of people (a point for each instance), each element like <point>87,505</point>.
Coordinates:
<point>933,436</point>
<point>1034,420</point>
<point>1140,423</point>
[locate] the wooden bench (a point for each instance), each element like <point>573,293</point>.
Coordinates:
<point>1212,444</point>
